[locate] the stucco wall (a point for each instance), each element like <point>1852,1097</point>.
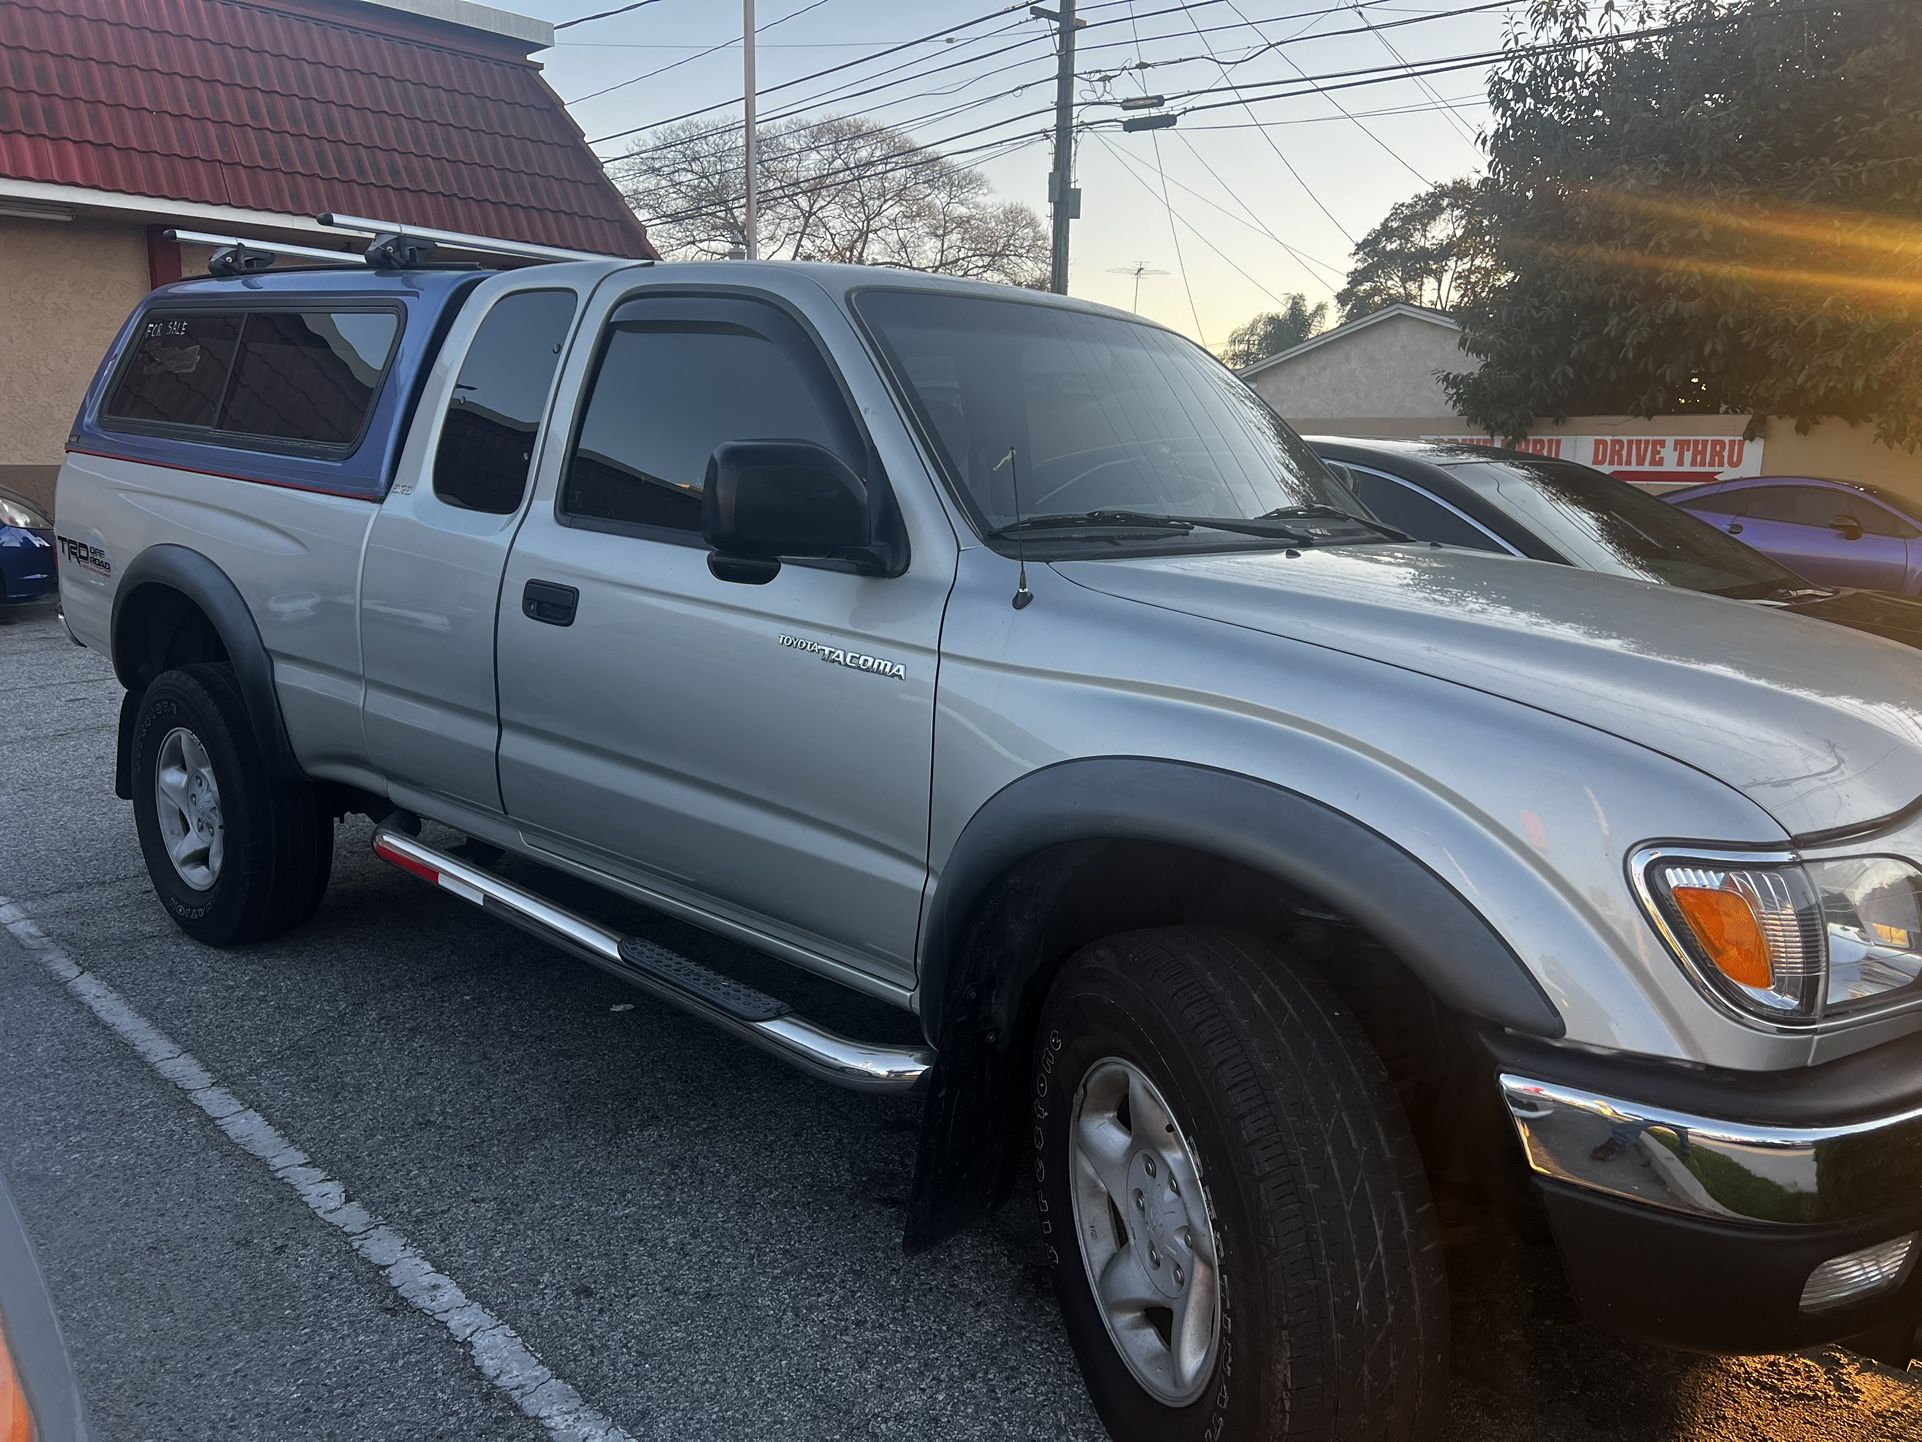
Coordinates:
<point>1384,371</point>
<point>65,288</point>
<point>1836,448</point>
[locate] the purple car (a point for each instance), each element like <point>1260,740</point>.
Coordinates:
<point>1839,533</point>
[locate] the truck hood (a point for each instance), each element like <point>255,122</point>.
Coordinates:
<point>1816,723</point>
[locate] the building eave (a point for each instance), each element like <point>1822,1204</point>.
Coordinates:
<point>1342,332</point>
<point>467,15</point>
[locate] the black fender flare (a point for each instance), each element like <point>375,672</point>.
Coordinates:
<point>980,950</point>
<point>1433,928</point>
<point>200,580</point>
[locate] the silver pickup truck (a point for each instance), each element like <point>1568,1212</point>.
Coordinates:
<point>1256,874</point>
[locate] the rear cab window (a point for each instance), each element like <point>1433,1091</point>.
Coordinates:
<point>294,378</point>
<point>304,379</point>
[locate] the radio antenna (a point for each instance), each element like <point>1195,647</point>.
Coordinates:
<point>1023,597</point>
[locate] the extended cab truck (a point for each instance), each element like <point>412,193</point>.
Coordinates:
<point>1249,867</point>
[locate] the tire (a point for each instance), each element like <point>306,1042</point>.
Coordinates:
<point>277,836</point>
<point>1332,1302</point>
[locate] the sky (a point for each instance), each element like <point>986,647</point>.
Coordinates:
<point>1260,200</point>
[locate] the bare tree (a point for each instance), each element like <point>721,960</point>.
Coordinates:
<point>840,189</point>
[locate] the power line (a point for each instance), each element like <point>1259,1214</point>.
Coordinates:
<point>997,149</point>
<point>836,96</point>
<point>842,93</point>
<point>1307,262</point>
<point>665,45</point>
<point>1241,25</point>
<point>898,126</point>
<point>727,44</point>
<point>1426,89</point>
<point>604,14</point>
<point>1236,196</point>
<point>803,79</point>
<point>914,155</point>
<point>1193,229</point>
<point>1174,234</point>
<point>1272,145</point>
<point>1461,102</point>
<point>1389,73</point>
<point>1393,154</point>
<point>1302,38</point>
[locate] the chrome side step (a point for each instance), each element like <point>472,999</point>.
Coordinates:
<point>766,1021</point>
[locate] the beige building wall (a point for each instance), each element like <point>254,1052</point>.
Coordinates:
<point>65,289</point>
<point>1385,370</point>
<point>1842,451</point>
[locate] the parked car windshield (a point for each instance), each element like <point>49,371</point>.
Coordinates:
<point>1605,524</point>
<point>1104,416</point>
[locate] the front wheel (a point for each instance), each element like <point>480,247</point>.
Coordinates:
<point>1241,1233</point>
<point>236,854</point>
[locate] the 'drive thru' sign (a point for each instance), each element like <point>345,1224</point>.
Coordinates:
<point>1662,460</point>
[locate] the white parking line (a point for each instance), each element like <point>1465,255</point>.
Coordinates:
<point>497,1351</point>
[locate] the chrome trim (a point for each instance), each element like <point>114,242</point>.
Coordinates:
<point>861,1066</point>
<point>1728,1171</point>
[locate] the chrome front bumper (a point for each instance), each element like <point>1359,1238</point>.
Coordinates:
<point>1717,1170</point>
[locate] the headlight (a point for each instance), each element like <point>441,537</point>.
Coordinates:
<point>1795,942</point>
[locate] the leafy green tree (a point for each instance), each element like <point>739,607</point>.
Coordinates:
<point>1274,331</point>
<point>1724,218</point>
<point>1431,249</point>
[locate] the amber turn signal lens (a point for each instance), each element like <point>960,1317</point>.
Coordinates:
<point>1729,932</point>
<point>16,1422</point>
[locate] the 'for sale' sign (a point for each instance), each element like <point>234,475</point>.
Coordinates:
<point>1651,460</point>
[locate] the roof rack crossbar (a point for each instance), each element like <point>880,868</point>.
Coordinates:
<point>458,240</point>
<point>237,251</point>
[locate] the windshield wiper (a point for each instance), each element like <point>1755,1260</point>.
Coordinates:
<point>1332,513</point>
<point>1094,521</point>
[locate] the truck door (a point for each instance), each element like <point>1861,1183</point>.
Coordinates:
<point>693,735</point>
<point>430,582</point>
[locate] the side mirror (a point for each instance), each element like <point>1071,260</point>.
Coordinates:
<point>1847,527</point>
<point>769,501</point>
<point>1341,473</point>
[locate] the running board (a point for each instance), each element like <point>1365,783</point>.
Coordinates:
<point>766,1021</point>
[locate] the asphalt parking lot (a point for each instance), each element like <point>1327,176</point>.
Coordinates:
<point>692,1241</point>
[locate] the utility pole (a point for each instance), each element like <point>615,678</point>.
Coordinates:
<point>1062,196</point>
<point>748,240</point>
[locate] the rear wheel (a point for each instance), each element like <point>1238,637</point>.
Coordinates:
<point>1240,1228</point>
<point>235,853</point>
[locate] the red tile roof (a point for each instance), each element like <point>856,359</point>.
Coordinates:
<point>301,106</point>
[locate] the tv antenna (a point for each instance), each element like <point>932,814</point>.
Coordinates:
<point>1137,270</point>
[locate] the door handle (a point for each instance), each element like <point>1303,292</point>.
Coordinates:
<point>549,603</point>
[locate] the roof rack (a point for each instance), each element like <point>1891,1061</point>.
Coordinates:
<point>234,256</point>
<point>390,246</point>
<point>382,230</point>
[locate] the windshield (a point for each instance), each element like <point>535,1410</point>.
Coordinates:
<point>1104,416</point>
<point>1604,524</point>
